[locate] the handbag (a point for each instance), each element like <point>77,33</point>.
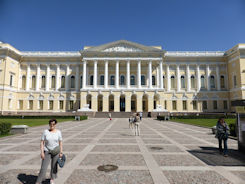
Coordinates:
<point>55,151</point>
<point>61,160</point>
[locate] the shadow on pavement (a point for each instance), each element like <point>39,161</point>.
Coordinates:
<point>30,179</point>
<point>211,156</point>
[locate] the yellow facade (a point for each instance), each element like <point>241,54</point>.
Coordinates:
<point>139,78</point>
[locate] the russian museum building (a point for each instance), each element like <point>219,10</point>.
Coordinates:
<point>121,76</point>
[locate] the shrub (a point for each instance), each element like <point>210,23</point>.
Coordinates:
<point>83,117</point>
<point>5,128</point>
<point>232,127</point>
<point>160,117</point>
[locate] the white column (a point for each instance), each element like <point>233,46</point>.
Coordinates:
<point>178,78</point>
<point>157,77</point>
<point>168,78</point>
<point>95,74</point>
<point>117,74</point>
<point>67,84</point>
<point>207,77</point>
<point>84,74</point>
<point>160,74</point>
<point>128,74</point>
<point>57,82</point>
<point>47,77</point>
<point>218,77</point>
<point>77,78</point>
<point>20,79</point>
<point>150,74</point>
<point>188,77</point>
<point>38,77</point>
<point>106,75</point>
<point>198,78</point>
<point>28,77</point>
<point>139,74</point>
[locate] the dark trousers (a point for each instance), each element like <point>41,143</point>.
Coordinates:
<point>225,146</point>
<point>44,166</point>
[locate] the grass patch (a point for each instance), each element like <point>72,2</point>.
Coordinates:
<point>31,122</point>
<point>203,122</point>
<point>5,135</point>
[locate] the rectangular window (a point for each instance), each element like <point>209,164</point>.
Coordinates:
<point>10,103</point>
<point>204,105</point>
<point>71,105</point>
<point>30,104</point>
<point>184,105</point>
<point>165,104</point>
<point>225,104</point>
<point>215,105</point>
<point>174,105</point>
<point>11,81</point>
<point>40,104</point>
<point>51,105</point>
<point>20,105</point>
<point>61,104</point>
<point>194,103</point>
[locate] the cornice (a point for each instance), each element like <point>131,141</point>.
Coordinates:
<point>194,54</point>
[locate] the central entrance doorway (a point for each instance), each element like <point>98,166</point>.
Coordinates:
<point>122,103</point>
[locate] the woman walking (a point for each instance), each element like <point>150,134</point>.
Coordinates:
<point>51,149</point>
<point>222,135</point>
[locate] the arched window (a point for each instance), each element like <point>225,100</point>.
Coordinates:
<point>23,82</point>
<point>122,80</point>
<point>193,82</point>
<point>163,81</point>
<point>142,80</point>
<point>72,81</point>
<point>53,82</point>
<point>81,81</point>
<point>202,81</point>
<point>91,81</point>
<point>112,80</point>
<point>182,79</point>
<point>43,82</point>
<point>132,80</point>
<point>212,82</point>
<point>33,81</point>
<point>63,81</point>
<point>153,80</point>
<point>102,80</point>
<point>172,82</point>
<point>222,81</point>
<point>234,81</point>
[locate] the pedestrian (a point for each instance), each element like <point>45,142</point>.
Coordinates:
<point>137,124</point>
<point>51,149</point>
<point>109,114</point>
<point>141,116</point>
<point>222,135</point>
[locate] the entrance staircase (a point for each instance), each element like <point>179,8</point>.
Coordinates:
<point>117,114</point>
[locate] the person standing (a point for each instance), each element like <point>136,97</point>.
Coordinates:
<point>51,149</point>
<point>222,135</point>
<point>141,116</point>
<point>109,114</point>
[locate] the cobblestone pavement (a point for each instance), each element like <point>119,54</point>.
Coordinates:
<point>165,152</point>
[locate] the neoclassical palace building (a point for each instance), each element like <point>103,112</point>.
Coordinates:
<point>121,76</point>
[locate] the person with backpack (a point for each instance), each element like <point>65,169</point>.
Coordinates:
<point>222,135</point>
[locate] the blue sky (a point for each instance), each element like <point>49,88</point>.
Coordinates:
<point>176,25</point>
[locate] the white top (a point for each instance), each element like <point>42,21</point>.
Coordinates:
<point>51,139</point>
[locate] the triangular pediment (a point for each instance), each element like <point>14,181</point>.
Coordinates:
<point>122,46</point>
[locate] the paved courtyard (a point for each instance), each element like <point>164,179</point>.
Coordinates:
<point>165,152</point>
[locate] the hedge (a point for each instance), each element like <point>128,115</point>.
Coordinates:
<point>203,116</point>
<point>233,128</point>
<point>41,117</point>
<point>5,128</point>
